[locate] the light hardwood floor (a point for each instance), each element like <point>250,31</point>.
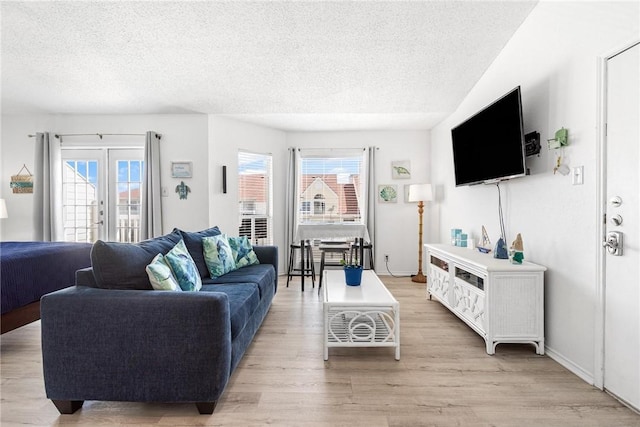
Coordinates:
<point>444,378</point>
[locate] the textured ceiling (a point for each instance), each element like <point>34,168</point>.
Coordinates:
<point>292,65</point>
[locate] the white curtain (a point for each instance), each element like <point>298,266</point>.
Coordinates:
<point>291,208</point>
<point>151,221</point>
<point>370,219</point>
<point>47,189</point>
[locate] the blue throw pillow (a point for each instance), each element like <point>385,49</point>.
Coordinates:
<point>218,255</point>
<point>183,268</point>
<point>160,275</point>
<point>242,251</point>
<point>193,242</point>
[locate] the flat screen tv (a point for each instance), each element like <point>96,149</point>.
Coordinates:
<point>489,146</point>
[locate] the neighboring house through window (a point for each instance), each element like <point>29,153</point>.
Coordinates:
<point>330,185</point>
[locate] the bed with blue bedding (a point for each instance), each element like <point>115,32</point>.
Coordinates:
<point>29,270</point>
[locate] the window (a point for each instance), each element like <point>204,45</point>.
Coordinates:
<point>255,197</point>
<point>101,194</point>
<point>331,185</point>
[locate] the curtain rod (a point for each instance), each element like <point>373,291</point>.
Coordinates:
<point>333,149</point>
<point>100,135</point>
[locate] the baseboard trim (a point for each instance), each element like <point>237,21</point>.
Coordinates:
<point>575,369</point>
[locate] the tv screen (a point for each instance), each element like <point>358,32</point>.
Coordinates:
<point>489,146</point>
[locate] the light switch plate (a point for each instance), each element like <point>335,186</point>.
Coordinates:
<point>577,175</point>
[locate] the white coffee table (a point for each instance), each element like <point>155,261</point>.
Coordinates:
<point>359,316</point>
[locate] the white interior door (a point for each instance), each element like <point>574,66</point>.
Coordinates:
<point>622,192</point>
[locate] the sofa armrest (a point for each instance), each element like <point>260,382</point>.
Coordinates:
<point>267,255</point>
<point>130,345</point>
<point>85,277</point>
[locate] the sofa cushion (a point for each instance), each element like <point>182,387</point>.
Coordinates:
<point>242,250</point>
<point>218,255</point>
<point>161,276</point>
<point>122,265</point>
<point>193,242</point>
<point>183,267</point>
<point>243,300</point>
<point>262,275</point>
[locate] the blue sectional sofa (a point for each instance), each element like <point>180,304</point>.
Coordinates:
<point>112,337</point>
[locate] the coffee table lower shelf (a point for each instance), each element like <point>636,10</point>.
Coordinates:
<point>361,327</point>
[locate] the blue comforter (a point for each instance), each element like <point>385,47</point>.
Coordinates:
<point>28,270</point>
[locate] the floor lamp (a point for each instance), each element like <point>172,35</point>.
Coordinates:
<point>420,193</point>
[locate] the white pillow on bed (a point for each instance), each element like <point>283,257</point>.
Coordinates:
<point>160,275</point>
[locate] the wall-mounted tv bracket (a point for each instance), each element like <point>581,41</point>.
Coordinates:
<point>532,144</point>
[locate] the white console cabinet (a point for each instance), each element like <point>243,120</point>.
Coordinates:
<point>502,302</point>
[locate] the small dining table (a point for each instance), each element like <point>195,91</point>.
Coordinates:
<point>337,230</point>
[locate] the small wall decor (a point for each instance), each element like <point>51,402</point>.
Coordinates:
<point>401,169</point>
<point>181,169</point>
<point>561,139</point>
<point>22,183</point>
<point>183,190</point>
<point>388,193</point>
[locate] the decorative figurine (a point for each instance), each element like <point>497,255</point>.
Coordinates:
<point>501,250</point>
<point>182,189</point>
<point>517,250</point>
<point>484,245</point>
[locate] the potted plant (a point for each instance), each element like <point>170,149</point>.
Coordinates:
<point>352,273</point>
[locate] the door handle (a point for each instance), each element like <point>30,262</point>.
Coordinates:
<point>613,243</point>
<point>99,222</point>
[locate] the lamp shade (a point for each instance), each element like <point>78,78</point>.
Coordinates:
<point>3,209</point>
<point>420,193</point>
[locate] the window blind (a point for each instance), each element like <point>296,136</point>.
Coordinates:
<point>331,186</point>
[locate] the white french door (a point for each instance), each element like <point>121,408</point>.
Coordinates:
<point>101,194</point>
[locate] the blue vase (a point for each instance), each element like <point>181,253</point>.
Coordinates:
<point>353,275</point>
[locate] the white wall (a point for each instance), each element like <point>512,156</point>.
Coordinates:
<point>396,231</point>
<point>184,138</point>
<point>553,57</point>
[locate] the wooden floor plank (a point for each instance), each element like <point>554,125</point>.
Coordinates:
<point>444,378</point>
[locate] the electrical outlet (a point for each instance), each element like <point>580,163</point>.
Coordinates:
<point>386,258</point>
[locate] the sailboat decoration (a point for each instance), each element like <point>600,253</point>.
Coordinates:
<point>484,245</point>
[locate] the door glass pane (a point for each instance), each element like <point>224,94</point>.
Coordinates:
<point>80,214</point>
<point>129,183</point>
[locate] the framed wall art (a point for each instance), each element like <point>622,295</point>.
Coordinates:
<point>388,193</point>
<point>181,169</point>
<point>401,169</point>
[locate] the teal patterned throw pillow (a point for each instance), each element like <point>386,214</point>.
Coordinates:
<point>160,275</point>
<point>242,251</point>
<point>183,268</point>
<point>218,255</point>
